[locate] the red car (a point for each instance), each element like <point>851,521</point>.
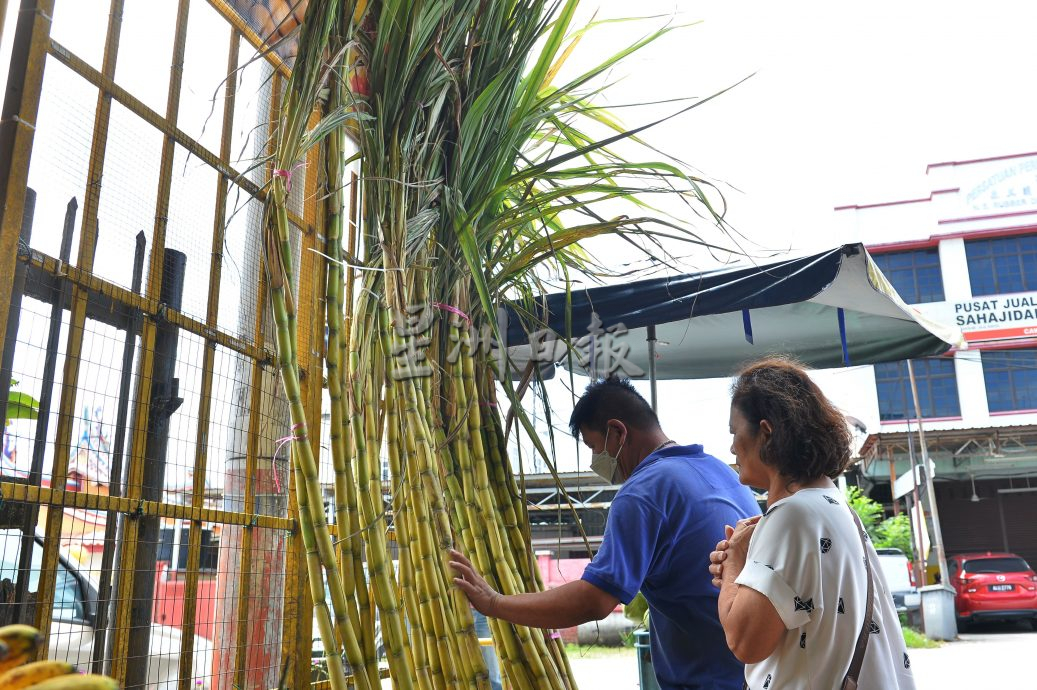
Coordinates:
<point>993,586</point>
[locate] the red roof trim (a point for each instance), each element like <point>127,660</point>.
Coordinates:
<point>1011,412</point>
<point>979,160</point>
<point>1011,344</point>
<point>902,201</point>
<point>934,240</point>
<point>990,217</point>
<point>905,246</point>
<point>891,422</point>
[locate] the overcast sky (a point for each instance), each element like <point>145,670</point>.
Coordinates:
<point>847,104</point>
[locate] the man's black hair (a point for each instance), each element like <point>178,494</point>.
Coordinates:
<point>611,398</point>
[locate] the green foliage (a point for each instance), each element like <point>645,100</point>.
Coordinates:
<point>916,640</point>
<point>888,533</point>
<point>895,533</point>
<point>21,405</point>
<point>869,511</point>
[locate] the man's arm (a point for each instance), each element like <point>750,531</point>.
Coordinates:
<point>563,607</point>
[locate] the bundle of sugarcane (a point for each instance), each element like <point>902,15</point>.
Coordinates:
<point>473,177</point>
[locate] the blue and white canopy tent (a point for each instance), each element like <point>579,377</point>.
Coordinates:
<point>830,309</point>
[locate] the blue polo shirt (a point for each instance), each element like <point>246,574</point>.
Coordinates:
<point>663,523</point>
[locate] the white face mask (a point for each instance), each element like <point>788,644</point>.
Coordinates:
<point>605,464</point>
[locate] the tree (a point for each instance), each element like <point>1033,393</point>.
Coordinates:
<point>869,511</point>
<point>895,532</point>
<point>888,533</point>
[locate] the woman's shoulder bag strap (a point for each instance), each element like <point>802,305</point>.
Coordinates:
<point>850,681</point>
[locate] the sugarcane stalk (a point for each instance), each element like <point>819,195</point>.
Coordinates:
<point>417,593</point>
<point>404,541</point>
<point>278,270</point>
<point>367,441</point>
<point>459,645</point>
<point>515,642</point>
<point>348,555</point>
<point>457,607</point>
<point>336,673</point>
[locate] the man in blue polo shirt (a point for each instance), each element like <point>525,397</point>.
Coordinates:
<point>664,521</point>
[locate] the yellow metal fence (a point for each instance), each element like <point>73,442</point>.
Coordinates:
<point>145,524</point>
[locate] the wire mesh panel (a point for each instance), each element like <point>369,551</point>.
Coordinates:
<point>145,521</point>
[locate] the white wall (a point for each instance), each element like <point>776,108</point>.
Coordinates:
<point>967,197</point>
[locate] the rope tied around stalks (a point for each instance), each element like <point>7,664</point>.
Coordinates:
<point>452,310</point>
<point>287,173</point>
<point>281,442</point>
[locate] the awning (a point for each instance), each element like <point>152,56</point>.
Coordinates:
<point>829,309</point>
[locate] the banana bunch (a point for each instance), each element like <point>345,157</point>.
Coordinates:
<point>17,643</point>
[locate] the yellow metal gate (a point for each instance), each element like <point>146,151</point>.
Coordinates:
<point>131,285</point>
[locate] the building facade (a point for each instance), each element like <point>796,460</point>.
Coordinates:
<point>964,254</point>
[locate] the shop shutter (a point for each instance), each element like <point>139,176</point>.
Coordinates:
<point>1021,524</point>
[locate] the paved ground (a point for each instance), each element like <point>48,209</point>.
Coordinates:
<point>617,671</point>
<point>992,655</point>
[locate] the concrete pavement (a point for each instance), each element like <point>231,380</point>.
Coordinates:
<point>990,656</point>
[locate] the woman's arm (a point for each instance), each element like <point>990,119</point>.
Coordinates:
<point>751,623</point>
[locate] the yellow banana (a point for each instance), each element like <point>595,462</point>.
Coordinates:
<point>30,674</point>
<point>75,681</point>
<point>19,638</point>
<point>13,661</point>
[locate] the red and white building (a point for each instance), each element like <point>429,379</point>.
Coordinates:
<point>966,253</point>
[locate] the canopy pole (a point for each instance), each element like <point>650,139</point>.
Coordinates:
<point>651,368</point>
<point>937,532</point>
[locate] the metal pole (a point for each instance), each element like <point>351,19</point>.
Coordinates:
<point>651,368</point>
<point>3,16</point>
<point>115,475</point>
<point>21,596</point>
<point>933,511</point>
<point>18,288</point>
<point>917,532</point>
<point>892,478</point>
<point>165,400</point>
<point>39,447</point>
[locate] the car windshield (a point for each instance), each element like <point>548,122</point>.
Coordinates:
<point>68,597</point>
<point>996,565</point>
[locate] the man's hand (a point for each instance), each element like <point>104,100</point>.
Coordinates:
<point>744,530</point>
<point>482,596</point>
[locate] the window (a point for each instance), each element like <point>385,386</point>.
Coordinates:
<point>915,275</point>
<point>69,600</point>
<point>1011,379</point>
<point>1002,265</point>
<point>996,565</point>
<point>937,389</point>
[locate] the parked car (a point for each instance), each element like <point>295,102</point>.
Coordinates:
<point>993,586</point>
<point>72,630</point>
<point>900,578</point>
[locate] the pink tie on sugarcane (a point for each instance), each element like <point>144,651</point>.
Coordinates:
<point>280,444</point>
<point>452,310</point>
<point>287,175</point>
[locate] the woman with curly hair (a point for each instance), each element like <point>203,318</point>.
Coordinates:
<point>794,584</point>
